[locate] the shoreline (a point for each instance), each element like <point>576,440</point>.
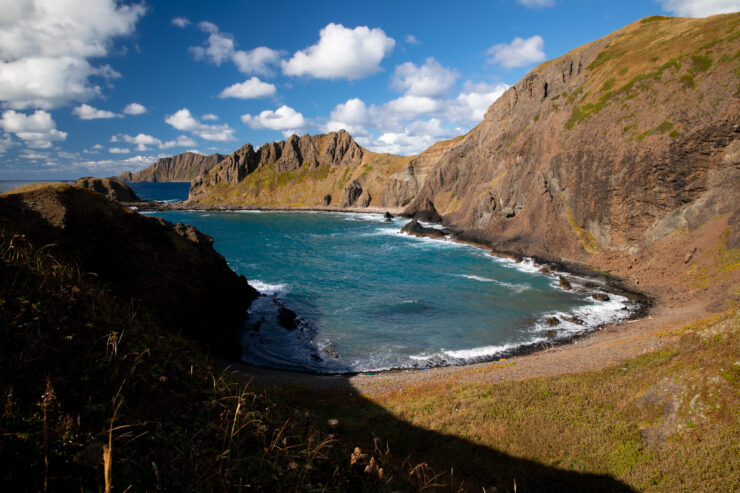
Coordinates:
<point>613,285</point>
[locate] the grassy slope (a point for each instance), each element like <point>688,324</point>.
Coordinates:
<point>665,421</point>
<point>81,370</point>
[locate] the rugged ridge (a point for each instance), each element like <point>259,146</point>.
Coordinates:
<point>172,271</point>
<point>108,187</point>
<point>333,168</point>
<point>182,167</point>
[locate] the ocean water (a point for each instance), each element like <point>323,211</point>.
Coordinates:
<point>371,298</point>
<point>161,192</point>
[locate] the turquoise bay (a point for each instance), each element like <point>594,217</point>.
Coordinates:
<point>370,298</point>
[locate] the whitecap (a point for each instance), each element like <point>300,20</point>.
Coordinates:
<point>267,288</point>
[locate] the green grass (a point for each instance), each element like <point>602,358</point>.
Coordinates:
<point>700,63</point>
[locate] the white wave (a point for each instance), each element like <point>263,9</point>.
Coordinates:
<point>526,265</point>
<point>517,288</point>
<point>431,225</point>
<point>267,288</point>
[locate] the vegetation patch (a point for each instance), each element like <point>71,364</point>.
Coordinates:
<point>587,240</point>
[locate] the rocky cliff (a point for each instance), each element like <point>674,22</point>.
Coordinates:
<point>611,147</point>
<point>618,154</point>
<point>303,171</point>
<point>182,167</point>
<point>171,271</point>
<point>110,188</point>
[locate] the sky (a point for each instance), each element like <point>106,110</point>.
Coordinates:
<point>98,87</point>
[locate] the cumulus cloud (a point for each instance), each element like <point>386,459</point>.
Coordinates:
<point>430,79</point>
<point>412,106</point>
<point>700,8</point>
<point>141,140</point>
<point>113,166</point>
<point>134,109</point>
<point>38,130</point>
<point>209,117</point>
<point>87,112</point>
<point>350,116</point>
<point>249,89</point>
<point>519,53</point>
<point>285,119</point>
<point>221,47</point>
<point>411,39</point>
<point>471,104</point>
<point>181,22</point>
<point>536,4</point>
<point>185,121</point>
<point>119,150</point>
<point>45,46</point>
<point>341,53</point>
<point>180,141</point>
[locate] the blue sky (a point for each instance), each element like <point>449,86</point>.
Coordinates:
<point>96,87</point>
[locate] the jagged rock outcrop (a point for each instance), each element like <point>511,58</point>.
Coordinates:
<point>308,153</point>
<point>400,188</point>
<point>416,229</point>
<point>110,188</point>
<point>182,167</point>
<point>351,193</point>
<point>172,271</point>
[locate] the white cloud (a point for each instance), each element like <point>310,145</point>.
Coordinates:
<point>350,116</point>
<point>341,53</point>
<point>536,4</point>
<point>134,109</point>
<point>519,53</point>
<point>402,143</point>
<point>141,140</point>
<point>285,119</point>
<point>411,106</point>
<point>430,79</point>
<point>250,88</point>
<point>209,117</point>
<point>180,141</point>
<point>470,105</point>
<point>119,150</point>
<point>97,146</point>
<point>221,47</point>
<point>185,121</point>
<point>45,44</point>
<point>256,61</point>
<point>700,8</point>
<point>181,22</point>
<point>87,112</point>
<point>37,129</point>
<point>411,39</point>
<point>112,166</point>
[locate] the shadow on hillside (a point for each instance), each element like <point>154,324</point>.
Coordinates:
<point>473,466</point>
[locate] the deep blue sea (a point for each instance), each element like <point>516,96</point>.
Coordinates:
<point>161,192</point>
<point>371,298</point>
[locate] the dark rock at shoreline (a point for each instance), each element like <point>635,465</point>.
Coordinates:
<point>575,320</point>
<point>552,321</point>
<point>170,271</point>
<point>110,188</point>
<point>564,283</point>
<point>600,297</point>
<point>330,351</point>
<point>545,269</point>
<point>416,229</point>
<point>327,200</point>
<point>388,215</point>
<point>427,213</point>
<point>351,193</point>
<point>287,318</point>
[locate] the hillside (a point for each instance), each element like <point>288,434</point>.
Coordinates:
<point>613,156</point>
<point>182,167</point>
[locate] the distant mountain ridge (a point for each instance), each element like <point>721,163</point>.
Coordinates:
<point>182,167</point>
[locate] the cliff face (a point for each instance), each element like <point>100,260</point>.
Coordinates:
<point>611,147</point>
<point>183,167</point>
<point>301,171</point>
<point>110,188</point>
<point>172,271</point>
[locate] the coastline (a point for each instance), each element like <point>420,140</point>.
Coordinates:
<point>642,306</point>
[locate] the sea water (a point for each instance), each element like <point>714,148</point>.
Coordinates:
<point>161,192</point>
<point>371,298</point>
